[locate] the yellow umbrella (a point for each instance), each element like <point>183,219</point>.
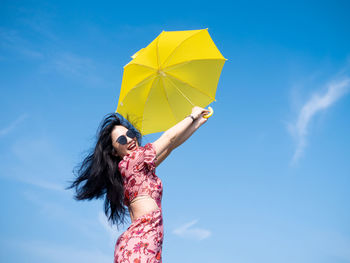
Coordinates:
<point>176,71</point>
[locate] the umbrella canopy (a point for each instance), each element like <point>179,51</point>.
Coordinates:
<point>176,71</point>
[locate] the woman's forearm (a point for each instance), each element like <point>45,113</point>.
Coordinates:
<point>181,131</point>
<point>186,134</point>
<point>177,131</point>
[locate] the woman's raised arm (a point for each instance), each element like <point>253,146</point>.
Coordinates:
<point>177,134</point>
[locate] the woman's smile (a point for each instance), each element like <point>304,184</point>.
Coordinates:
<point>132,146</point>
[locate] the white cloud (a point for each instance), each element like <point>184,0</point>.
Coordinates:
<point>62,211</point>
<point>12,40</point>
<point>41,183</point>
<point>39,23</point>
<point>6,130</point>
<point>80,68</point>
<point>187,231</point>
<point>69,63</point>
<point>63,62</point>
<point>37,162</point>
<point>315,104</point>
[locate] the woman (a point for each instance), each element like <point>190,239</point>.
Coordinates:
<point>123,171</point>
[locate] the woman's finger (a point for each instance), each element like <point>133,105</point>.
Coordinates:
<point>209,114</point>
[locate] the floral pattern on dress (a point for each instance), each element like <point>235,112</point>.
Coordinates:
<point>142,241</point>
<point>138,173</point>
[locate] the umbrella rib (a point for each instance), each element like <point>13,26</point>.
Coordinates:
<point>154,69</point>
<point>141,82</point>
<point>181,93</point>
<point>172,53</point>
<point>146,102</point>
<point>137,85</point>
<point>157,45</point>
<point>167,99</point>
<point>184,82</point>
<point>188,61</point>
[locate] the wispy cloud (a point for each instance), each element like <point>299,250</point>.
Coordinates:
<point>80,68</point>
<point>37,162</point>
<point>12,40</point>
<point>315,104</point>
<point>72,65</point>
<point>6,130</point>
<point>39,22</point>
<point>64,62</point>
<point>69,63</point>
<point>187,231</point>
<point>44,184</point>
<point>62,211</point>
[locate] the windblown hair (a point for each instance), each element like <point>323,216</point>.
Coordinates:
<point>98,174</point>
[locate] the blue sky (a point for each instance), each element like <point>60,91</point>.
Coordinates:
<point>266,179</point>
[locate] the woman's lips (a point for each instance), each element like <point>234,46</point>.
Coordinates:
<point>132,146</point>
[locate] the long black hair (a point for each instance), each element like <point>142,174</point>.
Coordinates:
<point>98,174</point>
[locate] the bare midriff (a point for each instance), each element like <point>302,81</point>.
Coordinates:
<point>141,205</point>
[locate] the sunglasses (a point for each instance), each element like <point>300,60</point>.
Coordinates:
<point>122,138</point>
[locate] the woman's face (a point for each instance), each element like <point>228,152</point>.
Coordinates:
<point>131,144</point>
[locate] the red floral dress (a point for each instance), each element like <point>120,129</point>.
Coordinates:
<point>142,241</point>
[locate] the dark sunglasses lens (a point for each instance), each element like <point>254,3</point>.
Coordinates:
<point>122,140</point>
<point>130,134</point>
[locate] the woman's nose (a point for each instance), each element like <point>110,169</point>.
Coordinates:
<point>129,139</point>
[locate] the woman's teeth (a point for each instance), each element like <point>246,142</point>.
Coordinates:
<point>132,146</point>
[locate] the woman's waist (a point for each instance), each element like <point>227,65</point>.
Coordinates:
<point>136,195</point>
<point>144,223</point>
<point>142,205</point>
